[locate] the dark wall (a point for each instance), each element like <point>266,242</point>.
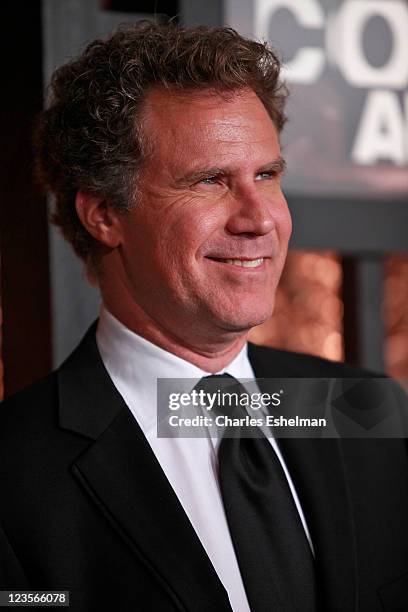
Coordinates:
<point>26,334</point>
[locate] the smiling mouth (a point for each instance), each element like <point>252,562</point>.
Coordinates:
<point>244,263</point>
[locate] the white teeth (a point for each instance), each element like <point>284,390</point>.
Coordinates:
<point>252,263</point>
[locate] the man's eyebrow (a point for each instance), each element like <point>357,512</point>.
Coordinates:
<point>197,175</point>
<point>277,166</point>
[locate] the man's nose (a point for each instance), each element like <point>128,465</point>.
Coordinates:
<point>251,213</point>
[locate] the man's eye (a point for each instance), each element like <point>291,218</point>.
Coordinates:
<point>209,180</point>
<point>262,176</point>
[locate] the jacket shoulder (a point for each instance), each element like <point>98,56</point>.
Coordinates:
<point>29,412</point>
<point>272,362</point>
<point>40,392</point>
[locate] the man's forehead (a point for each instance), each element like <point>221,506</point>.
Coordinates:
<point>194,121</point>
<point>203,106</point>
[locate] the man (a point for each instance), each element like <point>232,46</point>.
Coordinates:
<point>162,148</point>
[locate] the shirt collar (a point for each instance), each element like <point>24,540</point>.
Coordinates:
<point>134,365</point>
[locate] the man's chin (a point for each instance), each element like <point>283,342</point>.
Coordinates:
<point>245,323</point>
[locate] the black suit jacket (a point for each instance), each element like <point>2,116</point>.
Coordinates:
<point>85,506</point>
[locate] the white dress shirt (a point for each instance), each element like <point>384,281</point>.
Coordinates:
<point>190,464</point>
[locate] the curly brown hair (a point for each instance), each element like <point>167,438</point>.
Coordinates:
<point>90,138</point>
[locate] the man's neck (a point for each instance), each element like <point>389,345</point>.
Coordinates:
<point>211,354</point>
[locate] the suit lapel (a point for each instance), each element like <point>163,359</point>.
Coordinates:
<point>122,475</point>
<point>316,468</point>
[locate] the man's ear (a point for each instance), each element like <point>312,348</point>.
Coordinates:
<point>99,218</point>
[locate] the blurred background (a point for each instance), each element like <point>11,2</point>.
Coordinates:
<point>344,290</point>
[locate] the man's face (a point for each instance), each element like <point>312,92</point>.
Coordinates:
<point>204,247</point>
